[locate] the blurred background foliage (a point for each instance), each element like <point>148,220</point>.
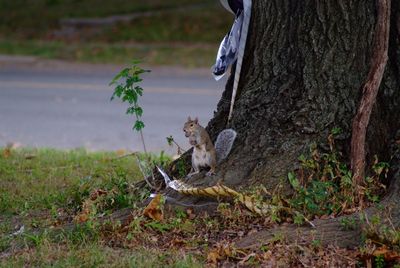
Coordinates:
<point>174,32</point>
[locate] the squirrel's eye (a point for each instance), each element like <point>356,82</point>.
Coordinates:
<point>191,125</point>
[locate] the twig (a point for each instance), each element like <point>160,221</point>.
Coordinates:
<point>180,149</point>
<point>123,156</point>
<point>309,222</point>
<point>144,174</point>
<point>390,222</point>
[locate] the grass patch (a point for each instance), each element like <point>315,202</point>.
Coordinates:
<point>41,189</point>
<point>205,25</point>
<point>152,54</point>
<point>95,255</point>
<point>43,178</point>
<point>60,208</point>
<point>186,38</point>
<point>32,18</point>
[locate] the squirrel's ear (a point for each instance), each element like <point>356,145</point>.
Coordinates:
<point>189,119</point>
<point>196,120</point>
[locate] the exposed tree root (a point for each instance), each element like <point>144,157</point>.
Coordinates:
<point>370,90</point>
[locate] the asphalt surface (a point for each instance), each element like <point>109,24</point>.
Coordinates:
<point>66,105</point>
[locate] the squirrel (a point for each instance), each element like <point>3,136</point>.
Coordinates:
<point>204,151</point>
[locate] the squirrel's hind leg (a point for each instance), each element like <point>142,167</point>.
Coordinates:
<point>195,170</point>
<point>212,169</point>
<point>213,164</point>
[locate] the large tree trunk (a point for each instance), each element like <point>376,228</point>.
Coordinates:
<point>303,70</point>
<point>302,74</point>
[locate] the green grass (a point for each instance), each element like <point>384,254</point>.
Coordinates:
<point>41,179</point>
<point>50,191</point>
<point>37,185</point>
<point>164,54</point>
<point>33,18</point>
<point>185,38</point>
<point>95,255</point>
<point>205,25</point>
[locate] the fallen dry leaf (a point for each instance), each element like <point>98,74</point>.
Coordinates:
<point>380,251</point>
<point>96,193</point>
<point>190,214</point>
<point>213,256</point>
<point>120,152</point>
<point>9,147</point>
<point>7,152</point>
<point>388,254</point>
<point>83,216</point>
<point>220,252</point>
<point>176,242</point>
<point>153,209</point>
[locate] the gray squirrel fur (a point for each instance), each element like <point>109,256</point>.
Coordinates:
<point>204,152</point>
<point>224,143</point>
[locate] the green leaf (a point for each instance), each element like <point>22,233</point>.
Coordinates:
<point>123,73</point>
<point>336,131</point>
<point>138,125</point>
<point>380,167</point>
<point>170,140</point>
<point>139,111</point>
<point>139,90</point>
<point>130,110</point>
<point>302,158</point>
<point>298,218</point>
<point>129,91</point>
<point>130,81</point>
<point>119,89</point>
<point>293,180</point>
<point>130,96</point>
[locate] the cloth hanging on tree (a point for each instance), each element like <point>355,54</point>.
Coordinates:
<point>233,45</point>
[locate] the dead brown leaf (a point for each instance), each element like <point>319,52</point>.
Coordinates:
<point>83,216</point>
<point>387,253</point>
<point>120,152</point>
<point>213,256</point>
<point>190,214</point>
<point>96,193</point>
<point>7,152</point>
<point>176,242</point>
<point>153,209</point>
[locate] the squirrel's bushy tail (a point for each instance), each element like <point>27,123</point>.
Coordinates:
<point>224,142</point>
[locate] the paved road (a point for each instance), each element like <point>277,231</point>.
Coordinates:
<point>63,105</point>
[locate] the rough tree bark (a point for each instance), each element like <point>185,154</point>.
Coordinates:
<point>302,73</point>
<point>304,64</point>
